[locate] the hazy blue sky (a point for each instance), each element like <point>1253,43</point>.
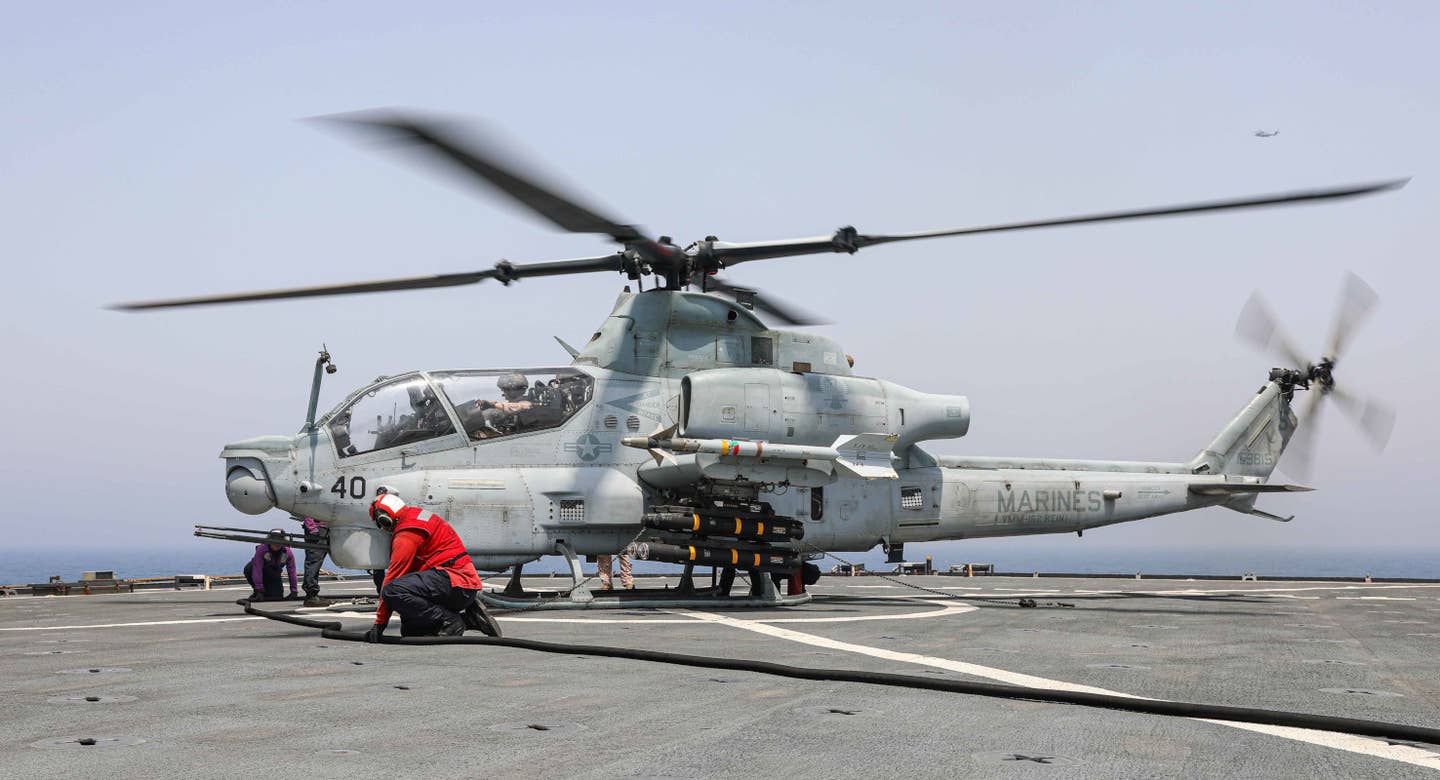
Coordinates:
<point>152,150</point>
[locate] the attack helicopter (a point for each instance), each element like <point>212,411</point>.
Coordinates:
<point>690,431</point>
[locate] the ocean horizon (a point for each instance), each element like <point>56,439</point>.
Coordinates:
<point>19,566</point>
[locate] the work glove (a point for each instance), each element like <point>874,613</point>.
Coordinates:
<point>373,635</point>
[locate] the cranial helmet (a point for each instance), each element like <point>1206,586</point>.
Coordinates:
<point>512,385</point>
<point>277,537</point>
<point>384,510</point>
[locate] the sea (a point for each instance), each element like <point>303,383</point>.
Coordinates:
<point>20,566</point>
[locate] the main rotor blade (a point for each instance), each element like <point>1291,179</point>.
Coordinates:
<point>503,271</point>
<point>1284,198</point>
<point>489,162</point>
<point>1258,325</point>
<point>1357,301</point>
<point>783,312</point>
<point>1375,419</point>
<point>849,240</point>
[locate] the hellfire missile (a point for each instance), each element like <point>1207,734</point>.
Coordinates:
<point>863,455</point>
<point>760,560</point>
<point>758,529</point>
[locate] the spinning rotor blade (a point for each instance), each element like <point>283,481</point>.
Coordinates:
<point>1299,461</point>
<point>1258,325</point>
<point>503,271</point>
<point>490,163</point>
<point>1375,420</point>
<point>784,312</point>
<point>849,240</point>
<point>1357,300</point>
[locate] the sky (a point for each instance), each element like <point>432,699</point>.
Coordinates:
<point>152,150</point>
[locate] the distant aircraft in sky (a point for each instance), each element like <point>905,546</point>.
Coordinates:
<point>1266,133</point>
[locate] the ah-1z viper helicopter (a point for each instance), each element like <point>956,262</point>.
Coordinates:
<point>688,424</point>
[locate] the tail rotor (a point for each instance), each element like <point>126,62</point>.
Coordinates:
<point>1258,326</point>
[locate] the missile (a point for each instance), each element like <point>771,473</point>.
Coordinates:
<point>761,560</point>
<point>863,455</point>
<point>758,529</point>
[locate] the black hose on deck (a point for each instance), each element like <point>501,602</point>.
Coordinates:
<point>332,629</point>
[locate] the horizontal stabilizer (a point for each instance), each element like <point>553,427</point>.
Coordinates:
<point>1259,513</point>
<point>1226,489</point>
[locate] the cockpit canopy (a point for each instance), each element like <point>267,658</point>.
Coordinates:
<point>484,404</point>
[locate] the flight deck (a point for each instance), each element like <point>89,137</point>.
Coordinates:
<point>185,684</point>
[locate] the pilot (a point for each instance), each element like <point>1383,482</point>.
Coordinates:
<point>263,570</point>
<point>502,417</point>
<point>431,581</point>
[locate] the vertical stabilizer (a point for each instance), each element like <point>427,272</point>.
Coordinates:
<point>1251,444</point>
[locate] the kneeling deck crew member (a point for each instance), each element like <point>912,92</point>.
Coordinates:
<point>431,581</point>
<point>263,570</point>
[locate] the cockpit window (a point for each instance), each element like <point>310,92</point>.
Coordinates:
<point>401,412</point>
<point>491,404</point>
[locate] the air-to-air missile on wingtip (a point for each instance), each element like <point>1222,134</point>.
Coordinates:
<point>691,429</point>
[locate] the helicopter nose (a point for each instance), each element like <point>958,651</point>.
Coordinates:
<point>249,466</point>
<point>247,492</point>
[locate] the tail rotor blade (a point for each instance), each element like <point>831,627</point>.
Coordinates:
<point>1300,460</point>
<point>1357,301</point>
<point>1258,326</point>
<point>1376,420</point>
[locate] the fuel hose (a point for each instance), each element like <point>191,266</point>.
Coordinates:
<point>1395,732</point>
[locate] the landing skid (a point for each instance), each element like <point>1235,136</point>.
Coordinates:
<point>763,594</point>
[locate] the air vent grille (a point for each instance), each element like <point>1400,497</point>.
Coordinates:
<point>572,510</point>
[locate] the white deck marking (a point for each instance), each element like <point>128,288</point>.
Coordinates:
<point>127,625</point>
<point>1362,745</point>
<point>945,609</point>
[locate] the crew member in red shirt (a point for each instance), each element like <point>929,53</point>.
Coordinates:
<point>431,581</point>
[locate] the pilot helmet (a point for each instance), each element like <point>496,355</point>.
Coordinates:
<point>384,510</point>
<point>513,386</point>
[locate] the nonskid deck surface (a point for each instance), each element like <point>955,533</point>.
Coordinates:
<point>213,691</point>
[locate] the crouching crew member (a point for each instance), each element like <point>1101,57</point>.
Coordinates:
<point>431,581</point>
<point>263,570</point>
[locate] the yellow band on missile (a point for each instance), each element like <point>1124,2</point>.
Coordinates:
<point>737,526</point>
<point>734,556</point>
<point>692,552</point>
<point>759,527</point>
<point>697,522</point>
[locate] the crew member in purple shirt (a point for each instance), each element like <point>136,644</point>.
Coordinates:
<point>263,571</point>
<point>316,532</point>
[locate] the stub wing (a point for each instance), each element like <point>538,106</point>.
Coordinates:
<point>865,455</point>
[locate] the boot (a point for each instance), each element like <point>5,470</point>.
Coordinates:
<point>478,619</point>
<point>314,600</point>
<point>452,628</point>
